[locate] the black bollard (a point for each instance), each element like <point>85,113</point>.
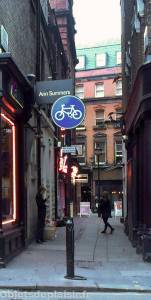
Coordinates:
<point>70,248</point>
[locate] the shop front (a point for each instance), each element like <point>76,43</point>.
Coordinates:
<point>16,100</point>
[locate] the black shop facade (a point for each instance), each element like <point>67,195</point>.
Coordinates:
<point>16,100</point>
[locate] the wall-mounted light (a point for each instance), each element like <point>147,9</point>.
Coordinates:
<point>125,137</point>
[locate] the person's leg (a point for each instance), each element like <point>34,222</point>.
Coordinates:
<point>105,224</point>
<point>42,226</point>
<point>109,225</point>
<point>38,235</point>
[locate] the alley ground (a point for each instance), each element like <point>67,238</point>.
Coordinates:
<point>107,262</point>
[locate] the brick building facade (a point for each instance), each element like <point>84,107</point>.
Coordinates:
<point>136,71</point>
<point>99,84</point>
<point>34,52</point>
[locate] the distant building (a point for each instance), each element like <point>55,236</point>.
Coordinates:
<point>136,73</point>
<point>99,85</point>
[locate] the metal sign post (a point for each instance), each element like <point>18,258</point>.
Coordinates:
<point>68,112</point>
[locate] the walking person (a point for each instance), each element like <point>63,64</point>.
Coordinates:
<point>104,210</point>
<point>41,205</point>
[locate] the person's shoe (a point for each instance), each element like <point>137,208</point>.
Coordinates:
<point>103,231</point>
<point>38,241</point>
<point>112,229</point>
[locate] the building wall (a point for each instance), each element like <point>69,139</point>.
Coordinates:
<point>65,21</point>
<point>21,29</point>
<point>88,77</point>
<point>19,19</point>
<point>136,69</point>
<point>108,131</point>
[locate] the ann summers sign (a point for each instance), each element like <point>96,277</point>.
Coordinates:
<point>49,91</point>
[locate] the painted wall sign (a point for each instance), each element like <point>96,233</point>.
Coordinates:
<point>68,112</point>
<point>49,91</point>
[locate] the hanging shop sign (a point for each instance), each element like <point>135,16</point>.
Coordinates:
<point>63,167</point>
<point>49,91</point>
<point>69,149</point>
<point>68,112</point>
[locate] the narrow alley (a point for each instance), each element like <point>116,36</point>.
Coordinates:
<point>106,261</point>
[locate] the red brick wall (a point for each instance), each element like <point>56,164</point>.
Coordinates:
<point>109,131</point>
<point>57,4</point>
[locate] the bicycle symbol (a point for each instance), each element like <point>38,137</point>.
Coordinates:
<point>70,111</point>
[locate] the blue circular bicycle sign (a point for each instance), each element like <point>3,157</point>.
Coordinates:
<point>68,112</point>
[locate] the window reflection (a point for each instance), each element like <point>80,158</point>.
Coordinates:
<point>7,168</point>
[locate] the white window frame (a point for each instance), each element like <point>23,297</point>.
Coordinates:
<point>99,89</point>
<point>118,58</point>
<point>99,119</point>
<point>118,91</point>
<point>83,156</point>
<point>79,93</point>
<point>146,40</point>
<point>117,152</point>
<point>81,64</point>
<point>100,59</point>
<point>101,162</point>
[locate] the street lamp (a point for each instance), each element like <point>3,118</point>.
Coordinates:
<point>98,152</point>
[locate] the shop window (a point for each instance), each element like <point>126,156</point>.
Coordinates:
<point>8,169</point>
<point>99,89</point>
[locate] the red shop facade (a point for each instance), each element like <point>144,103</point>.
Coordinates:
<point>16,100</point>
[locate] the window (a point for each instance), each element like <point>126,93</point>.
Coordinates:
<point>118,58</point>
<point>81,126</point>
<point>119,87</point>
<point>140,7</point>
<point>82,158</point>
<point>81,64</point>
<point>99,117</point>
<point>118,113</point>
<point>81,140</point>
<point>100,152</point>
<point>118,152</point>
<point>101,60</point>
<point>79,91</point>
<point>146,41</point>
<point>99,89</point>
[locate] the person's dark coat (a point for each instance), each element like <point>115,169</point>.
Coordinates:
<point>41,216</point>
<point>40,203</point>
<point>104,208</point>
